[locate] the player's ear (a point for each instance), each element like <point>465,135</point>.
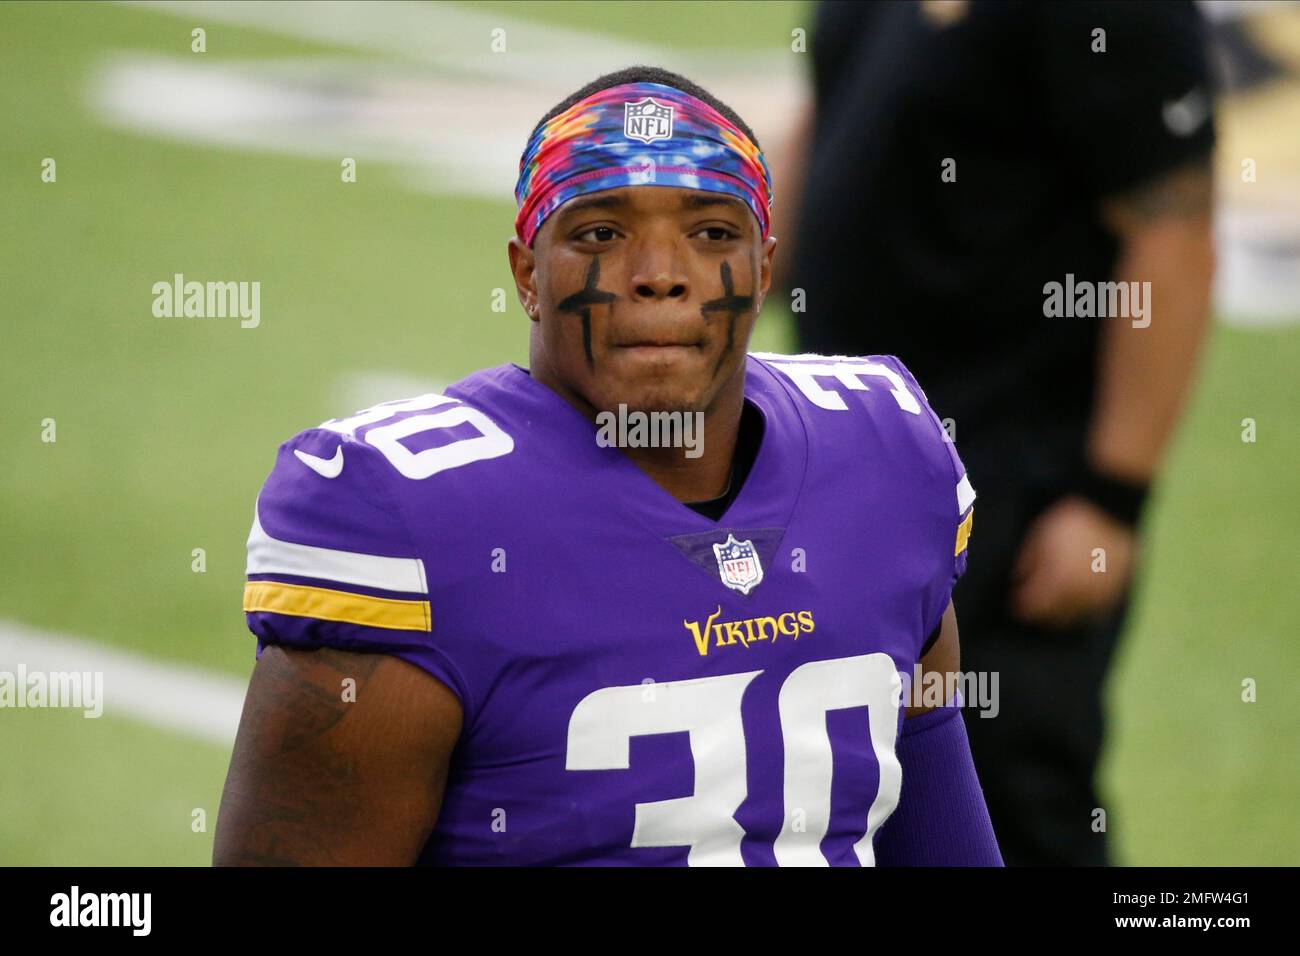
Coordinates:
<point>523,266</point>
<point>765,258</point>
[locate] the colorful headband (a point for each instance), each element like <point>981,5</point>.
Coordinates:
<point>638,134</point>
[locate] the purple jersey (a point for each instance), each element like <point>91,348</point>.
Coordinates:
<point>641,685</point>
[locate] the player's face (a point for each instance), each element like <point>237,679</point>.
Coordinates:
<point>645,296</point>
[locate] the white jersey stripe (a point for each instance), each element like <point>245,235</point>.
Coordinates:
<point>267,555</point>
<point>965,494</point>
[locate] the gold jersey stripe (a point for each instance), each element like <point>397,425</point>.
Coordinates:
<point>299,600</point>
<point>963,532</point>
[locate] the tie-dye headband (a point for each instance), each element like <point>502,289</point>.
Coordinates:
<point>638,134</point>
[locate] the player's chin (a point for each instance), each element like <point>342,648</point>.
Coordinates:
<point>659,378</point>
<point>658,363</point>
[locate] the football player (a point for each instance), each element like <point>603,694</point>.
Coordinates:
<point>487,637</point>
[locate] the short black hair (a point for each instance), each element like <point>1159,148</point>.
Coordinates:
<point>647,74</point>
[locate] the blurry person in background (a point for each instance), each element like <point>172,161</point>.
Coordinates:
<point>1022,193</point>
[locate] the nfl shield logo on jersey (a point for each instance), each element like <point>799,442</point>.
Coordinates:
<point>738,564</point>
<point>647,120</point>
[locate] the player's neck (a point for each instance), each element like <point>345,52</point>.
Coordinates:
<point>703,477</point>
<point>686,478</point>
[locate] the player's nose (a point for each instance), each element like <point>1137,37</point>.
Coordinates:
<point>657,274</point>
<point>659,286</point>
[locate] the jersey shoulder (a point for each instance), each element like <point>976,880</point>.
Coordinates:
<point>869,411</point>
<point>328,555</point>
<point>333,558</point>
<point>342,484</point>
<point>841,393</point>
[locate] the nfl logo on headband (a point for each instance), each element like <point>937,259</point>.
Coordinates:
<point>647,121</point>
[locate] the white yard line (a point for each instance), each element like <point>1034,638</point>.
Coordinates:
<point>435,100</point>
<point>451,36</point>
<point>452,115</point>
<point>177,697</point>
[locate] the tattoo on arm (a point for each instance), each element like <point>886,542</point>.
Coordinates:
<point>302,786</point>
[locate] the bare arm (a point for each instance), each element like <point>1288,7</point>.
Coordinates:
<point>1145,372</point>
<point>1144,375</point>
<point>943,657</point>
<point>323,777</point>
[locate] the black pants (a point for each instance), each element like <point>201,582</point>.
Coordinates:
<point>1037,759</point>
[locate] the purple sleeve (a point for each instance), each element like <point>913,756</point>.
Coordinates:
<point>960,503</point>
<point>941,819</point>
<point>330,562</point>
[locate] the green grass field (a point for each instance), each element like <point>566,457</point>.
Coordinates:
<point>166,428</point>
